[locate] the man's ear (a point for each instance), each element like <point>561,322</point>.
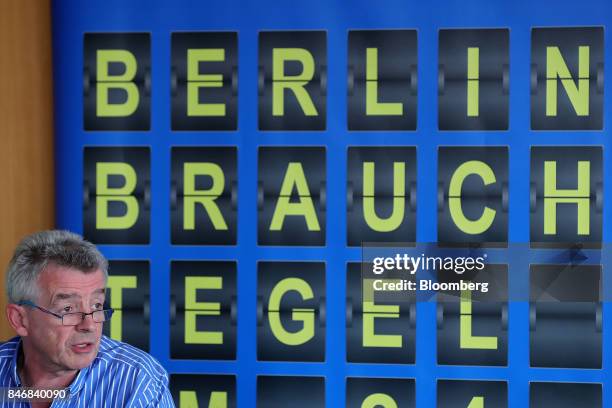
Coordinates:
<point>17,318</point>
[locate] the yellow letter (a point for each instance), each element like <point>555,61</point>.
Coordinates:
<point>379,400</point>
<point>204,197</point>
<point>555,67</point>
<point>305,315</point>
<point>193,309</point>
<point>116,284</point>
<point>373,106</point>
<point>476,402</point>
<point>454,201</point>
<point>399,194</point>
<point>473,69</point>
<point>218,399</point>
<point>371,312</point>
<point>106,82</point>
<point>106,194</point>
<point>554,196</point>
<point>296,83</point>
<point>189,399</point>
<point>195,81</point>
<point>466,339</point>
<point>305,207</point>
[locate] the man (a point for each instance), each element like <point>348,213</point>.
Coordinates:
<point>56,289</point>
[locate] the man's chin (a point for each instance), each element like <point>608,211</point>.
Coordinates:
<point>80,362</point>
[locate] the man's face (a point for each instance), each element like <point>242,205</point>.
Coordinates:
<point>64,290</point>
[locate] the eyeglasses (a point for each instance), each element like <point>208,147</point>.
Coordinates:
<point>73,319</point>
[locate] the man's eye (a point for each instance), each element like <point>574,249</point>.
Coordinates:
<point>67,309</point>
<point>98,306</point>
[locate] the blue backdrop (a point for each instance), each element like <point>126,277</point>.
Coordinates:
<point>71,19</point>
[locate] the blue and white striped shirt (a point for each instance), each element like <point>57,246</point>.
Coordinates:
<point>119,376</point>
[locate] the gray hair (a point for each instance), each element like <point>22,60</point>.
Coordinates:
<point>36,251</point>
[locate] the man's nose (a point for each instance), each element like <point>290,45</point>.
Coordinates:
<point>87,324</point>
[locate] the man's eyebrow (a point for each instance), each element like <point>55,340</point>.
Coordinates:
<point>65,296</point>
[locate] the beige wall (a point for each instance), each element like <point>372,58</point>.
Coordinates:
<point>26,128</point>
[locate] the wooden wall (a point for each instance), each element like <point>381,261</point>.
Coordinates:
<point>26,129</point>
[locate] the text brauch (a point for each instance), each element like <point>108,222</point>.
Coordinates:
<point>565,195</point>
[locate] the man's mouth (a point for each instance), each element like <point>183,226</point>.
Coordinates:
<point>82,348</point>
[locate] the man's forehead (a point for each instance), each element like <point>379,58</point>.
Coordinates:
<point>70,282</point>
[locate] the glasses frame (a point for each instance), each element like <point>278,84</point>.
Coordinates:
<point>108,313</point>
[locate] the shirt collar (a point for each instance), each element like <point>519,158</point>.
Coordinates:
<point>80,379</point>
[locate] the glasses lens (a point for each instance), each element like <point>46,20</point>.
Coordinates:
<point>72,319</point>
<point>100,316</point>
